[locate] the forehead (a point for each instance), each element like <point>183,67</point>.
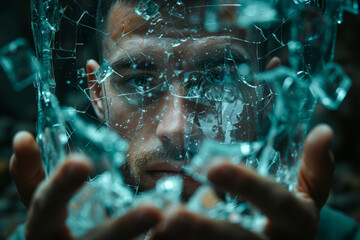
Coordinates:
<point>123,23</point>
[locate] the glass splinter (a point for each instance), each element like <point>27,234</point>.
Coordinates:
<point>147,9</point>
<point>19,63</point>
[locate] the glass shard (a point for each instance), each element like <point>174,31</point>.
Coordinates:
<point>178,9</point>
<point>167,194</point>
<point>147,9</point>
<point>105,195</point>
<point>101,198</point>
<point>331,86</point>
<point>103,146</point>
<point>51,131</point>
<point>211,23</point>
<point>19,63</point>
<point>213,153</point>
<point>81,73</point>
<point>351,6</point>
<point>207,203</point>
<point>104,72</point>
<point>256,12</point>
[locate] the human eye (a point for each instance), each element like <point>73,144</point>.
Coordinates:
<point>220,76</point>
<point>135,83</point>
<point>141,81</point>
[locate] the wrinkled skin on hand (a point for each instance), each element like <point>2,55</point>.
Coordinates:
<point>290,215</point>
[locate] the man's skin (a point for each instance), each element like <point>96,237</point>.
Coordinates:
<point>290,215</point>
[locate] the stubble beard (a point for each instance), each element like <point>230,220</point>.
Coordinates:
<point>134,169</point>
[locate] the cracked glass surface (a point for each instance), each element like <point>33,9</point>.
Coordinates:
<point>178,86</point>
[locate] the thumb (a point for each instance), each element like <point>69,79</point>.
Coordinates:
<point>317,165</point>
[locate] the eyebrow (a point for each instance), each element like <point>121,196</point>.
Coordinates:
<point>204,61</point>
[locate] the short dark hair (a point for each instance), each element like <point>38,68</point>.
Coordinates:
<point>102,13</point>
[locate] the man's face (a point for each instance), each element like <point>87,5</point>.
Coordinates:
<point>174,86</point>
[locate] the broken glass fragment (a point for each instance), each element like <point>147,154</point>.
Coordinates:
<point>101,144</point>
<point>19,63</point>
<point>211,23</point>
<point>105,195</point>
<point>205,201</point>
<point>52,13</point>
<point>256,12</point>
<point>156,19</point>
<point>101,198</point>
<point>351,6</point>
<point>51,131</point>
<point>167,194</point>
<point>212,152</point>
<point>81,73</point>
<point>178,9</point>
<point>104,72</point>
<point>331,85</point>
<point>147,9</point>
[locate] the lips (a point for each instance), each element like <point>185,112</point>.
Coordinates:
<point>167,169</point>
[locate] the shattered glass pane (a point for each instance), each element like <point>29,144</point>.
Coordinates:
<point>181,86</point>
<point>19,63</point>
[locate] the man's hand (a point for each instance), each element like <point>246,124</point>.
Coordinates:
<point>290,215</point>
<point>47,213</point>
<point>47,199</point>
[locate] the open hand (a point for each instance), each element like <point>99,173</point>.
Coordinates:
<point>290,215</point>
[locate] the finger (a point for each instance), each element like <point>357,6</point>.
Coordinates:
<point>47,212</point>
<point>131,225</point>
<point>25,165</point>
<point>185,225</point>
<point>280,206</point>
<point>317,165</point>
<point>274,63</point>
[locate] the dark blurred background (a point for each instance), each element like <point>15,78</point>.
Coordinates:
<point>18,112</point>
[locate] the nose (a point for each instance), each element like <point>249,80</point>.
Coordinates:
<point>170,128</point>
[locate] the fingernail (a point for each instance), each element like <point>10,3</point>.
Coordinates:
<point>78,157</point>
<point>21,135</point>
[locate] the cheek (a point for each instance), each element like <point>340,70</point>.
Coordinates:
<point>123,118</point>
<point>136,125</point>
